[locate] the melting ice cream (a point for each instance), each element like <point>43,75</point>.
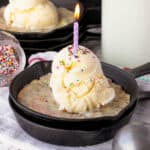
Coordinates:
<point>78,83</point>
<point>31,14</point>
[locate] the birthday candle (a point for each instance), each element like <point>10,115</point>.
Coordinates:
<point>76,30</point>
<point>76,38</point>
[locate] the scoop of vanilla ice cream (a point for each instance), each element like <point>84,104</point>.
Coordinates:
<point>78,84</point>
<point>31,14</point>
<point>25,4</point>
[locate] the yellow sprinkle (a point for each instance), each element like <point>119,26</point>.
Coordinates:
<point>62,62</point>
<point>100,76</point>
<point>71,85</point>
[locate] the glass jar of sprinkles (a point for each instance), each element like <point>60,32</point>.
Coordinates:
<point>12,58</point>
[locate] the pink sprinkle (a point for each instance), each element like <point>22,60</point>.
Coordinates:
<point>2,49</point>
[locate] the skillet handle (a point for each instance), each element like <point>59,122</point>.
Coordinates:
<point>140,71</point>
<point>144,95</point>
<point>92,32</point>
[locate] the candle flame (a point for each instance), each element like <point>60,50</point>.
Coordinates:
<point>77,12</point>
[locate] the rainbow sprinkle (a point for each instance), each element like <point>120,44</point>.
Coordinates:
<point>62,62</point>
<point>8,62</point>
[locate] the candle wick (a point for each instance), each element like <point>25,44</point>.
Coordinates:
<point>76,56</point>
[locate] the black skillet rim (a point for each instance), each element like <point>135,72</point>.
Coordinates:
<point>45,117</point>
<point>39,123</point>
<point>53,31</point>
<point>53,39</point>
<point>56,48</point>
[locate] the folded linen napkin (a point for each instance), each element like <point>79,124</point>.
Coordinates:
<point>46,56</point>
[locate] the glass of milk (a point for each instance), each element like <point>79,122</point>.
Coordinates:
<point>126,32</point>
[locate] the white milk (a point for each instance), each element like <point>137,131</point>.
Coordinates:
<point>126,32</point>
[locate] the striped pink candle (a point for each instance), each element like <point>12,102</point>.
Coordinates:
<point>76,30</point>
<point>76,38</point>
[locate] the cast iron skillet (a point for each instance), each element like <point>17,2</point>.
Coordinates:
<point>75,132</point>
<point>60,32</point>
<point>123,78</point>
<point>55,45</point>
<point>33,45</point>
<point>50,42</point>
<point>69,137</point>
